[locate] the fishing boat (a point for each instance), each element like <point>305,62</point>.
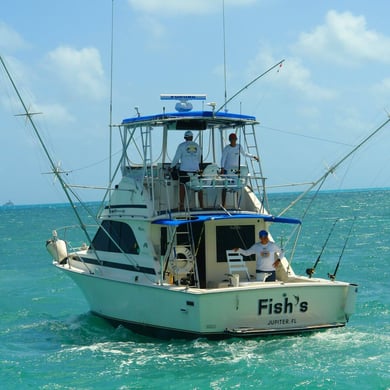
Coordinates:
<point>167,268</point>
<point>169,271</point>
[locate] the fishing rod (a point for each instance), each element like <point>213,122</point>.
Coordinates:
<point>310,271</point>
<point>249,84</point>
<point>332,277</point>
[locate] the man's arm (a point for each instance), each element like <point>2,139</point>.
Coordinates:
<point>177,156</point>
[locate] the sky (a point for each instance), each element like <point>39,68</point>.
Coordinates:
<point>332,91</point>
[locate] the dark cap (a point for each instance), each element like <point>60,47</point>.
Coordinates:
<point>263,233</point>
<point>232,136</point>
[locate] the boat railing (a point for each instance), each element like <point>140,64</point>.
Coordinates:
<point>234,180</point>
<point>210,177</point>
<point>74,234</point>
<point>163,189</point>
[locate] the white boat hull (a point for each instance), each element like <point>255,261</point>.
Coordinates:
<point>250,309</point>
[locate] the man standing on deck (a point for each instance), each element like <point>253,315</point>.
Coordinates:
<point>268,256</point>
<point>189,155</point>
<point>230,160</point>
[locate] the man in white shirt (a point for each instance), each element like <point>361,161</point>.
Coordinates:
<point>189,155</point>
<point>268,256</point>
<point>230,160</point>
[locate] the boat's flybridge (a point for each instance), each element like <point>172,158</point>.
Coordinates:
<point>149,144</point>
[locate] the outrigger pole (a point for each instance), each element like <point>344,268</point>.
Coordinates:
<point>335,166</point>
<point>249,84</point>
<point>54,168</point>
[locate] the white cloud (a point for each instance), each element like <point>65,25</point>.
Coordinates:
<point>292,73</point>
<point>151,25</point>
<point>55,113</point>
<point>384,85</point>
<point>169,7</point>
<point>22,77</point>
<point>10,39</point>
<point>299,78</point>
<point>18,71</point>
<point>382,90</point>
<point>81,70</point>
<point>344,38</point>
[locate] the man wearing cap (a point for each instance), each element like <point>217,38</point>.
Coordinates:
<point>230,160</point>
<point>268,256</point>
<point>188,154</point>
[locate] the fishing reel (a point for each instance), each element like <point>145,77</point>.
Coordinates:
<point>310,272</point>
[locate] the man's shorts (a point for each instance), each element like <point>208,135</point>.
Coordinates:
<point>184,177</point>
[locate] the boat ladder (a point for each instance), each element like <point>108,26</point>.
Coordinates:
<point>146,137</point>
<point>257,180</point>
<point>185,246</point>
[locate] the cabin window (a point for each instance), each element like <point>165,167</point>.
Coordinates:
<point>236,236</point>
<point>191,124</point>
<point>121,233</point>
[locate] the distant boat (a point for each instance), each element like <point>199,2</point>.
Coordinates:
<point>9,203</point>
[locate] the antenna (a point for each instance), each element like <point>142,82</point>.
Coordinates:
<point>224,51</point>
<point>111,76</point>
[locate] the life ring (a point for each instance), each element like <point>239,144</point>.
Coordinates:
<point>183,262</point>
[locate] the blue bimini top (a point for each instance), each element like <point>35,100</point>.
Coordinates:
<point>209,116</point>
<point>205,218</point>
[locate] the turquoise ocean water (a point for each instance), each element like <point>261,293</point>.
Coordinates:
<point>49,340</point>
